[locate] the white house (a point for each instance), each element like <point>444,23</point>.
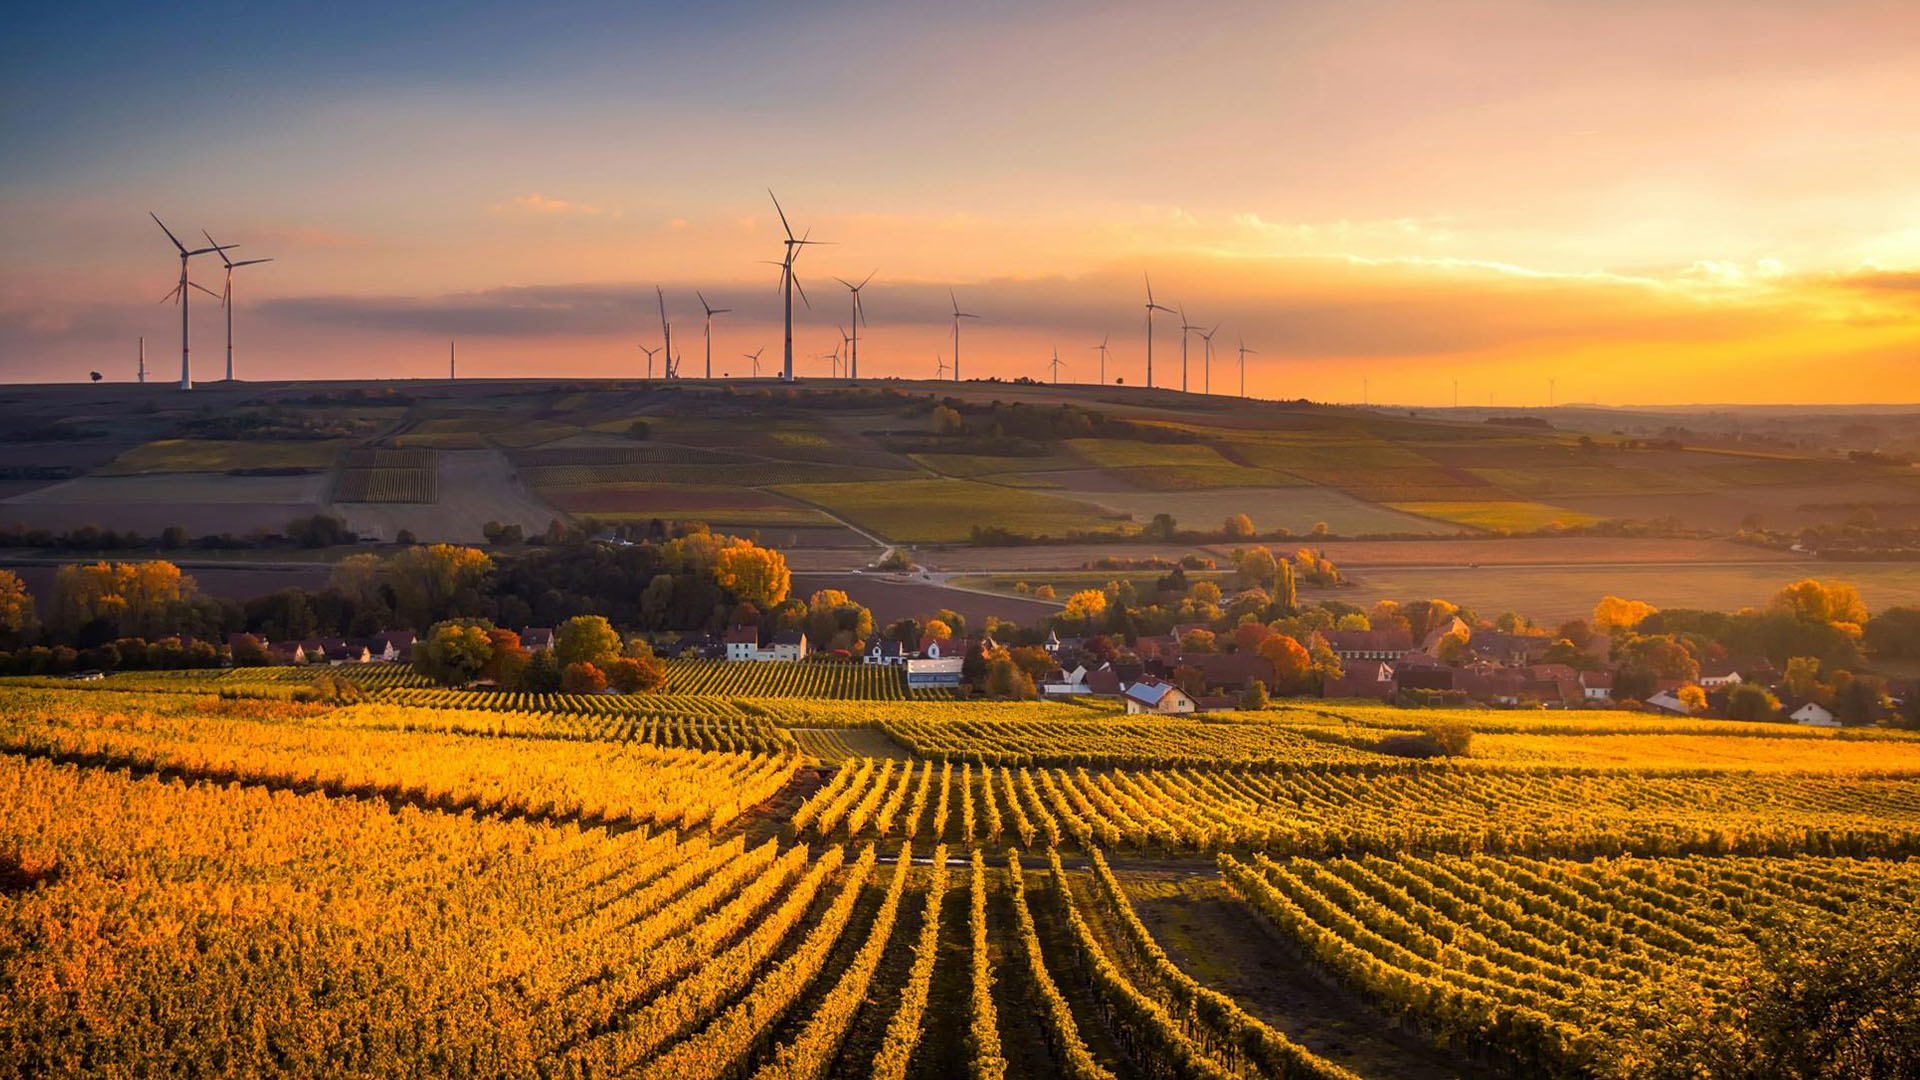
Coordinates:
<point>1715,675</point>
<point>934,671</point>
<point>788,646</point>
<point>1814,714</point>
<point>1154,696</point>
<point>743,643</point>
<point>1596,685</point>
<point>934,648</point>
<point>1066,683</point>
<point>889,653</point>
<point>537,638</point>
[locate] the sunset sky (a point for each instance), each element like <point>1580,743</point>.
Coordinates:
<point>1648,202</point>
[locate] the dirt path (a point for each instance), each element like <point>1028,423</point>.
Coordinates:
<point>1222,943</point>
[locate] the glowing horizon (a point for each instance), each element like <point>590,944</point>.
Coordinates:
<point>1646,203</point>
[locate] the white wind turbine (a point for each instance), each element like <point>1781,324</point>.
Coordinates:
<point>1102,350</point>
<point>1056,365</point>
<point>857,319</point>
<point>666,333</point>
<point>755,357</point>
<point>1151,308</point>
<point>1206,369</point>
<point>650,354</point>
<point>711,312</point>
<point>1185,329</point>
<point>1243,371</point>
<point>226,294</point>
<point>182,296</point>
<point>788,282</point>
<point>940,369</point>
<point>957,316</point>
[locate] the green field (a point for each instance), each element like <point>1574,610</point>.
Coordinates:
<point>1494,516</point>
<point>1202,477</point>
<point>211,455</point>
<point>943,510</point>
<point>1124,453</point>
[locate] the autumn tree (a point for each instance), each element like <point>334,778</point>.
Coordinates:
<point>636,675</point>
<point>1256,567</point>
<point>508,664</point>
<point>582,678</point>
<point>1895,633</point>
<point>835,622</point>
<point>1693,697</point>
<point>1254,697</point>
<point>1085,607</point>
<point>1199,640</point>
<point>1290,661</point>
<point>755,574</point>
<point>1833,602</point>
<point>1248,636</point>
<point>586,639</point>
<point>1751,702</point>
<point>453,653</point>
<point>136,599</point>
<point>1238,527</point>
<point>17,615</point>
<point>1802,677</point>
<point>1613,614</point>
<point>436,581</point>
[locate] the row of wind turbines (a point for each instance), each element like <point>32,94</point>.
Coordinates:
<point>182,295</point>
<point>849,367</point>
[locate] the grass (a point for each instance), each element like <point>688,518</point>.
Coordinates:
<point>1125,453</point>
<point>534,433</point>
<point>966,465</point>
<point>210,455</point>
<point>1498,516</point>
<point>944,510</point>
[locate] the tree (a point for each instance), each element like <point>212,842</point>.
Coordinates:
<point>937,630</point>
<point>1425,616</point>
<point>1257,567</point>
<point>1190,679</point>
<point>1353,620</point>
<point>1802,677</point>
<point>1290,661</point>
<point>635,675</point>
<point>436,581</point>
<point>1005,679</point>
<point>835,622</point>
<point>1661,655</point>
<point>509,661</point>
<point>1085,606</point>
<point>248,651</point>
<point>1248,636</point>
<point>1162,527</point>
<point>1452,648</point>
<point>755,574</point>
<point>1254,697</point>
<point>1205,592</point>
<point>1693,697</point>
<point>453,653</point>
<point>1833,602</point>
<point>1751,702</point>
<point>1238,527</point>
<point>1286,591</point>
<point>137,599</point>
<point>1198,640</point>
<point>582,678</point>
<point>1861,699</point>
<point>586,639</point>
<point>17,615</point>
<point>1612,614</point>
<point>1895,633</point>
<point>1043,592</point>
<point>947,421</point>
<point>657,600</point>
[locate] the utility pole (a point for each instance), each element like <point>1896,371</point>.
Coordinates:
<point>143,358</point>
<point>450,368</point>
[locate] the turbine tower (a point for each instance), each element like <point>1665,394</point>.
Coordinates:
<point>755,357</point>
<point>1151,308</point>
<point>142,374</point>
<point>1185,329</point>
<point>847,340</point>
<point>788,283</point>
<point>1102,350</point>
<point>1056,365</point>
<point>649,353</point>
<point>666,331</point>
<point>1243,365</point>
<point>450,368</point>
<point>1206,368</point>
<point>858,318</point>
<point>182,296</point>
<point>711,312</point>
<point>226,294</point>
<point>957,316</point>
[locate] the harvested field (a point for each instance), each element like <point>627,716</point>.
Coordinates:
<point>202,503</point>
<point>475,487</point>
<point>968,465</point>
<point>1498,517</point>
<point>936,510</point>
<point>890,599</point>
<point>1782,508</point>
<point>1543,550</point>
<point>214,456</point>
<point>1045,556</point>
<point>1295,508</point>
<point>1200,477</point>
<point>745,474</point>
<point>1125,453</point>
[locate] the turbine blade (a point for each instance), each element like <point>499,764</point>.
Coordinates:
<point>249,262</point>
<point>864,280</point>
<point>216,248</point>
<point>204,289</point>
<point>782,213</point>
<point>169,232</point>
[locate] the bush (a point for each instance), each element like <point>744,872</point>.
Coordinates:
<point>582,678</point>
<point>1439,740</point>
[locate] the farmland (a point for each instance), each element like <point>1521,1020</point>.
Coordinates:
<point>946,510</point>
<point>755,879</point>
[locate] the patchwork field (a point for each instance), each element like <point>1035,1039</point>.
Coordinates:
<point>946,510</point>
<point>1498,517</point>
<point>212,456</point>
<point>1299,509</point>
<point>474,487</point>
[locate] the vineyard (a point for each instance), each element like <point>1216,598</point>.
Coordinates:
<point>785,872</point>
<point>389,476</point>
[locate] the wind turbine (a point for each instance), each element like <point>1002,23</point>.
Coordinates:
<point>666,330</point>
<point>142,375</point>
<point>940,371</point>
<point>1243,365</point>
<point>181,296</point>
<point>649,353</point>
<point>755,357</point>
<point>711,312</point>
<point>847,340</point>
<point>1206,370</point>
<point>1102,350</point>
<point>833,362</point>
<point>1185,328</point>
<point>226,294</point>
<point>858,317</point>
<point>1151,308</point>
<point>450,365</point>
<point>789,283</point>
<point>1056,365</point>
<point>957,316</point>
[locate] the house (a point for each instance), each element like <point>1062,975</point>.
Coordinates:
<point>743,642</point>
<point>237,641</point>
<point>934,648</point>
<point>790,645</point>
<point>1509,649</point>
<point>1715,674</point>
<point>1052,644</point>
<point>537,639</point>
<point>1229,671</point>
<point>287,652</point>
<point>1061,683</point>
<point>1596,685</point>
<point>930,672</point>
<point>1153,646</point>
<point>1154,696</point>
<point>694,647</point>
<point>393,646</point>
<point>1105,681</point>
<point>1814,714</point>
<point>1454,625</point>
<point>1369,644</point>
<point>1362,679</point>
<point>1666,702</point>
<point>889,653</point>
<point>341,651</point>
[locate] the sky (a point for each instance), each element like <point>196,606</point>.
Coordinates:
<point>1621,203</point>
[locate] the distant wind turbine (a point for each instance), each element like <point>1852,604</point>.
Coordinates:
<point>142,375</point>
<point>1185,329</point>
<point>226,294</point>
<point>1243,365</point>
<point>650,354</point>
<point>1206,370</point>
<point>1102,350</point>
<point>711,312</point>
<point>755,357</point>
<point>1151,308</point>
<point>847,340</point>
<point>857,319</point>
<point>666,331</point>
<point>1056,365</point>
<point>789,284</point>
<point>451,370</point>
<point>940,370</point>
<point>182,296</point>
<point>957,316</point>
